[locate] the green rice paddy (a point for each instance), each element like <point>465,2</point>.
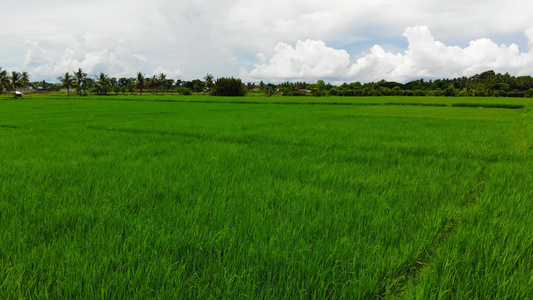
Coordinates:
<point>254,198</point>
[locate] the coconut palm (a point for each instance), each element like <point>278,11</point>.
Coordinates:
<point>87,83</point>
<point>209,81</point>
<point>162,80</point>
<point>16,80</point>
<point>4,80</point>
<point>153,83</point>
<point>103,84</point>
<point>79,76</point>
<point>25,80</point>
<point>140,82</point>
<point>67,81</point>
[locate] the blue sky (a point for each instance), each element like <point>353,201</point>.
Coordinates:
<point>342,40</point>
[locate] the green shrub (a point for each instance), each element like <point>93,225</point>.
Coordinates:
<point>184,91</point>
<point>228,87</point>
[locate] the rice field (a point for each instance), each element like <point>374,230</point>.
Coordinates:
<point>210,198</point>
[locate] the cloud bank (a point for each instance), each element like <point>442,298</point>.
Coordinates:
<point>425,57</point>
<point>44,62</point>
<point>309,59</point>
<point>300,39</point>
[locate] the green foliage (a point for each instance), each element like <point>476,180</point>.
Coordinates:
<point>16,80</point>
<point>4,80</point>
<point>209,81</point>
<point>228,87</point>
<point>269,90</point>
<point>183,90</point>
<point>126,84</point>
<point>486,84</point>
<point>140,82</point>
<point>67,82</point>
<point>102,85</point>
<point>154,83</point>
<point>198,86</point>
<point>79,81</point>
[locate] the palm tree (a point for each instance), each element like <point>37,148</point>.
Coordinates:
<point>103,84</point>
<point>16,80</point>
<point>25,80</point>
<point>87,83</point>
<point>67,82</point>
<point>209,81</point>
<point>4,80</point>
<point>153,83</point>
<point>80,76</point>
<point>162,80</point>
<point>197,86</point>
<point>140,82</point>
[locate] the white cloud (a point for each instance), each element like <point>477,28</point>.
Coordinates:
<point>309,59</point>
<point>176,74</point>
<point>529,34</point>
<point>425,57</point>
<point>196,37</point>
<point>48,64</point>
<point>35,56</point>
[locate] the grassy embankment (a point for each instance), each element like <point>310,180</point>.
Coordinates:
<point>159,197</point>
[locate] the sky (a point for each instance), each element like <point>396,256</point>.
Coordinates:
<point>273,41</point>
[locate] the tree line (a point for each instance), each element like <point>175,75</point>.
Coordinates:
<point>103,84</point>
<point>485,84</point>
<point>14,80</point>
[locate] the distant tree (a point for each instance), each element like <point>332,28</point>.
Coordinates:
<point>188,84</point>
<point>25,80</point>
<point>117,89</point>
<point>16,80</point>
<point>162,80</point>
<point>334,91</point>
<point>44,85</point>
<point>131,86</point>
<point>67,81</point>
<point>79,77</point>
<point>88,83</point>
<point>4,80</point>
<point>250,86</point>
<point>228,87</point>
<point>102,84</point>
<point>168,84</point>
<point>450,91</point>
<point>126,84</point>
<point>153,83</point>
<point>269,90</point>
<point>209,81</point>
<point>318,89</point>
<point>113,81</point>
<point>321,85</point>
<point>197,86</point>
<point>123,81</point>
<point>140,82</point>
<point>500,86</point>
<point>183,90</point>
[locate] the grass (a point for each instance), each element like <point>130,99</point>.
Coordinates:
<point>167,197</point>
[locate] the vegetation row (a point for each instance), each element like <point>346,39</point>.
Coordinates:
<point>486,84</point>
